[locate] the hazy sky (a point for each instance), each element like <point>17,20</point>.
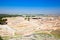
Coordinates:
<point>30,6</point>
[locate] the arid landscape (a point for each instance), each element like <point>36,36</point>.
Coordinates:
<point>25,28</point>
<point>29,19</point>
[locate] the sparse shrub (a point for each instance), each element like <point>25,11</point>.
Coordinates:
<point>1,38</point>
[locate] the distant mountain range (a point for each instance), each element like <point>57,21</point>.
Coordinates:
<point>14,15</point>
